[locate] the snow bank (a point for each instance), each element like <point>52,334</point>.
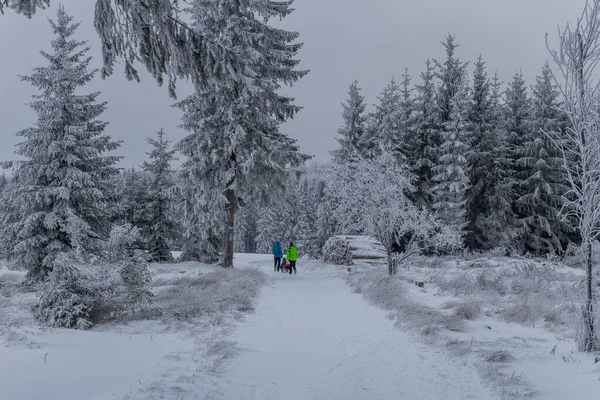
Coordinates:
<point>512,319</point>
<point>167,350</point>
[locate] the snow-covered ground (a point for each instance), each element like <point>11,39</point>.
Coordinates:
<point>512,320</point>
<point>309,337</point>
<point>165,355</point>
<point>312,338</point>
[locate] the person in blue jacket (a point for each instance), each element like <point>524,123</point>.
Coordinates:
<point>277,254</point>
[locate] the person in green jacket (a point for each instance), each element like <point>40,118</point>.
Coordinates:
<point>292,257</point>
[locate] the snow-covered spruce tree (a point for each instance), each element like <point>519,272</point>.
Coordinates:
<point>452,74</point>
<point>159,229</point>
<point>317,211</point>
<point>496,224</point>
<point>271,226</point>
<point>479,155</point>
<point>157,34</point>
<point>518,127</point>
<point>235,148</point>
<point>67,299</point>
<point>387,118</point>
<point>577,58</point>
<point>452,171</point>
<point>543,178</point>
<point>61,197</point>
<point>133,193</point>
<point>246,229</point>
<point>353,129</point>
<point>372,198</point>
<point>423,139</point>
<point>133,266</point>
<point>407,112</point>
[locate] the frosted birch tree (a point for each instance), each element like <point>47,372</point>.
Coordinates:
<point>577,58</point>
<point>372,197</point>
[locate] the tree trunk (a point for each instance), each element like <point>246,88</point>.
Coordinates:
<point>229,230</point>
<point>229,217</point>
<point>590,335</point>
<point>391,268</point>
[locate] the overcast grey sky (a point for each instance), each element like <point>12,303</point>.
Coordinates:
<point>344,40</point>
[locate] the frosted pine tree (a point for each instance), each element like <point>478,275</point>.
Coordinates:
<point>518,127</point>
<point>452,179</point>
<point>407,110</point>
<point>235,150</point>
<point>62,199</point>
<point>388,120</point>
<point>157,34</point>
<point>479,156</point>
<point>452,74</point>
<point>133,185</point>
<point>159,228</point>
<point>543,178</point>
<point>423,140</point>
<point>497,223</point>
<point>451,171</point>
<point>353,129</point>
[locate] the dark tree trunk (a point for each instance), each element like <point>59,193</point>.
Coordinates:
<point>590,337</point>
<point>391,266</point>
<point>229,230</point>
<point>229,218</point>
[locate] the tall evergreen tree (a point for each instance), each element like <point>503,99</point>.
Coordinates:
<point>518,128</point>
<point>452,170</point>
<point>159,229</point>
<point>452,74</point>
<point>480,154</point>
<point>387,119</point>
<point>133,185</point>
<point>61,199</point>
<point>235,151</point>
<point>423,139</point>
<point>407,113</point>
<point>497,223</point>
<point>353,130</point>
<point>543,178</point>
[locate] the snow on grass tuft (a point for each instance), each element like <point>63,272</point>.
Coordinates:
<point>210,294</point>
<point>526,292</point>
<point>439,327</point>
<point>500,356</point>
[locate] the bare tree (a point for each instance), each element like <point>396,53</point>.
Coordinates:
<point>371,198</point>
<point>577,58</point>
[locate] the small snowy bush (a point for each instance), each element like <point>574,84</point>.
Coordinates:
<point>337,251</point>
<point>67,299</point>
<point>210,294</point>
<point>499,356</point>
<point>133,267</point>
<point>467,311</point>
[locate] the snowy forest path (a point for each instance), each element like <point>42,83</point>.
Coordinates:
<point>312,338</point>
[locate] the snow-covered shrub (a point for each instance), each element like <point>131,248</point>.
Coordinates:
<point>467,311</point>
<point>337,251</point>
<point>133,267</point>
<point>210,294</point>
<point>500,356</point>
<point>67,298</point>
